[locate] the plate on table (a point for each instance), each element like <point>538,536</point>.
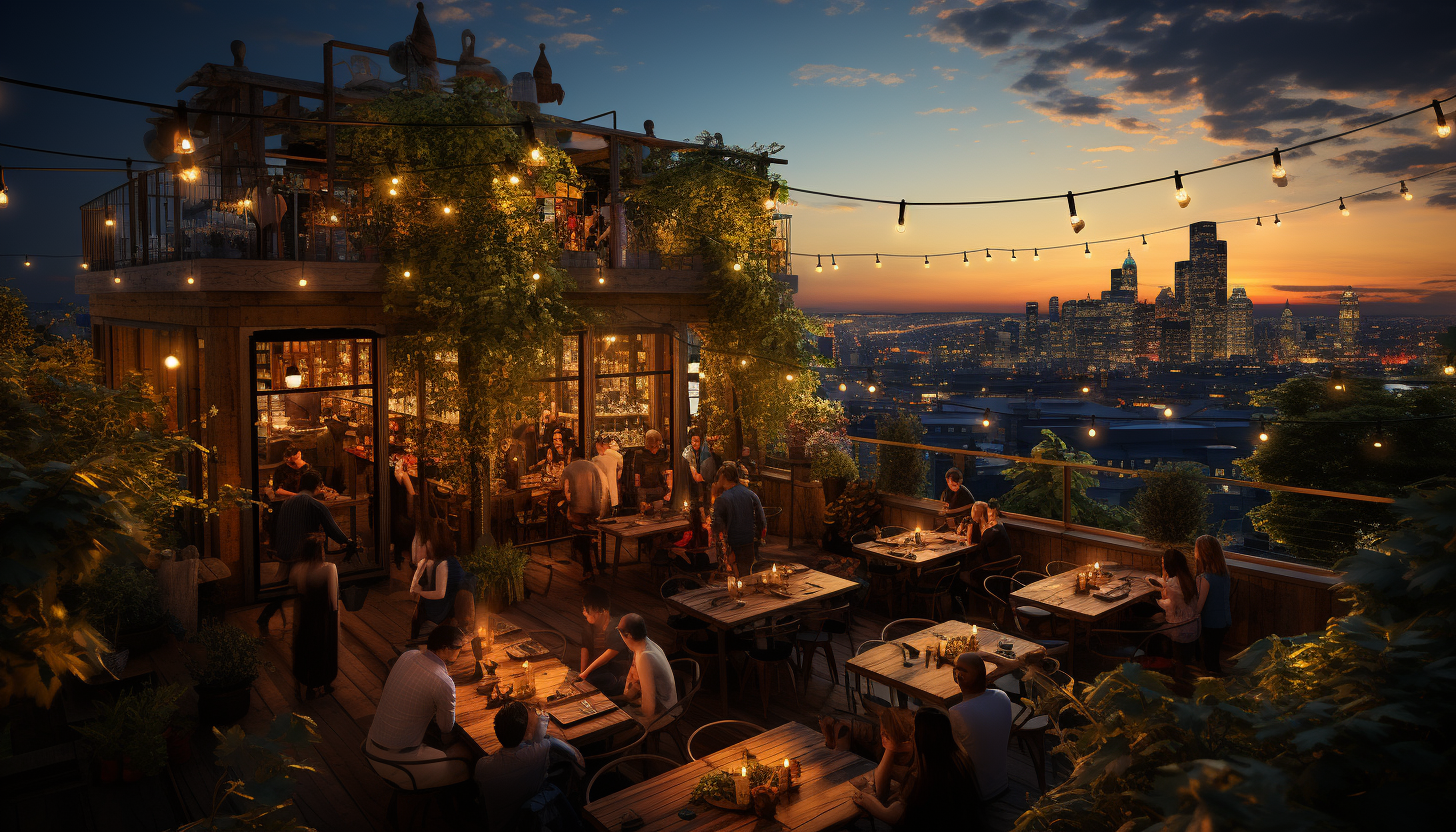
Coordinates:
<point>501,627</point>
<point>528,649</point>
<point>1111,593</point>
<point>568,714</point>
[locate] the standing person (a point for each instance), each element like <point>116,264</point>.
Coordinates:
<point>694,455</point>
<point>610,464</point>
<point>435,583</point>
<point>514,774</point>
<point>651,471</point>
<point>694,537</point>
<point>301,515</point>
<point>649,682</point>
<point>738,519</point>
<point>955,500</point>
<point>419,692</point>
<point>747,468</point>
<point>316,621</point>
<point>1214,585</point>
<point>942,780</point>
<point>331,452</point>
<point>981,721</point>
<point>605,659</point>
<point>584,493</point>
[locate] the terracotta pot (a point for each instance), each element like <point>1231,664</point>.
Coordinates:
<point>108,771</point>
<point>833,487</point>
<point>222,706</point>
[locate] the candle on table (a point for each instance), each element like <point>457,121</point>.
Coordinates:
<point>740,787</point>
<point>788,775</point>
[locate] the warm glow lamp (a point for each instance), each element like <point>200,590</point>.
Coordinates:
<point>171,362</point>
<point>292,378</point>
<point>1442,128</point>
<point>900,226</point>
<point>1179,192</point>
<point>1280,177</point>
<point>1404,191</point>
<point>1077,222</point>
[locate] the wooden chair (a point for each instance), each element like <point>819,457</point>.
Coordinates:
<point>904,627</point>
<point>684,627</point>
<point>644,759</point>
<point>858,687</point>
<point>1131,644</point>
<point>772,649</point>
<point>730,726</point>
<point>934,586</point>
<point>687,675</point>
<point>817,632</point>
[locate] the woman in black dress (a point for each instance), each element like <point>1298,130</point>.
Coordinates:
<point>315,622</point>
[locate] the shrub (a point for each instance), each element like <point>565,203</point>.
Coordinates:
<point>1172,506</point>
<point>814,415</point>
<point>498,566</point>
<point>829,456</point>
<point>122,597</point>
<point>901,470</point>
<point>230,657</point>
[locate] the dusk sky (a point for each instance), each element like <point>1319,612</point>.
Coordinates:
<point>936,100</point>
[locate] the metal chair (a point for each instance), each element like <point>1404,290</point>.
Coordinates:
<point>747,729</point>
<point>551,640</point>
<point>933,585</point>
<point>1057,567</point>
<point>975,579</point>
<point>1108,644</point>
<point>864,689</point>
<point>1033,615</point>
<point>773,647</point>
<point>653,759</point>
<point>817,631</point>
<point>406,767</point>
<point>883,577</point>
<point>683,626</point>
<point>907,626</point>
<point>617,745</point>
<point>1030,725</point>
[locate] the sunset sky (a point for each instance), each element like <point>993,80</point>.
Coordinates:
<point>926,101</point>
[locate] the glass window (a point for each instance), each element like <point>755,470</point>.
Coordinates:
<point>633,385</point>
<point>314,410</point>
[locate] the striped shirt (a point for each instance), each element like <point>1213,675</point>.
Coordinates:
<point>418,689</point>
<point>299,516</point>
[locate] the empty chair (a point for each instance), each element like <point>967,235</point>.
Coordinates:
<point>871,694</point>
<point>975,579</point>
<point>933,587</point>
<point>1057,567</point>
<point>612,784</point>
<point>904,627</point>
<point>736,730</point>
<point>683,626</point>
<point>772,650</point>
<point>817,632</point>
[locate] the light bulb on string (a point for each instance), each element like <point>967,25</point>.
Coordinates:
<point>302,281</point>
<point>116,280</point>
<point>1013,255</point>
<point>1092,427</point>
<point>1280,177</point>
<point>773,196</point>
<point>788,377</point>
<point>1087,250</point>
<point>1449,369</point>
<point>171,362</point>
<point>927,261</point>
<point>601,279</point>
<point>819,263</point>
<point>1404,191</point>
<point>1180,193</point>
<point>1077,222</point>
<point>1145,241</point>
<point>1344,212</point>
<point>842,387</point>
<point>190,280</point>
<point>448,210</point>
<point>965,259</point>
<point>27,261</point>
<point>878,264</point>
<point>535,275</point>
<point>393,192</point>
<point>737,267</point>
<point>1258,222</point>
<point>85,267</point>
<point>1035,255</point>
<point>110,216</point>
<point>1167,413</point>
<point>988,255</point>
<point>514,179</point>
<point>1263,430</point>
<point>986,418</point>
<point>4,189</point>
<point>1277,222</point>
<point>833,265</point>
<point>1442,128</point>
<point>1378,441</point>
<point>900,226</point>
<point>182,143</point>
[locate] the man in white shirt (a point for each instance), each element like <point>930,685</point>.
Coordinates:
<point>419,691</point>
<point>981,721</point>
<point>610,463</point>
<point>513,775</point>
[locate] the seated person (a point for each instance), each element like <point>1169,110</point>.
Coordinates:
<point>935,798</point>
<point>981,721</point>
<point>896,741</point>
<point>287,475</point>
<point>419,693</point>
<point>605,659</point>
<point>649,682</point>
<point>695,536</point>
<point>511,776</point>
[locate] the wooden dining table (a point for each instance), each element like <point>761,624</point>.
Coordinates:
<point>636,528</point>
<point>935,549</point>
<point>476,717</point>
<point>1058,596</point>
<point>713,605</point>
<point>822,798</point>
<point>886,663</point>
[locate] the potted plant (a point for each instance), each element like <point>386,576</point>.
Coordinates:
<point>855,509</point>
<point>130,737</point>
<point>830,462</point>
<point>1172,506</point>
<point>107,736</point>
<point>810,415</point>
<point>123,601</point>
<point>500,571</point>
<point>223,676</point>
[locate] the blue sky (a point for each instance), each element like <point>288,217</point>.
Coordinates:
<point>931,101</point>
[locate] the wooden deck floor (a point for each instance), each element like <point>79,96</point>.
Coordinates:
<point>345,794</point>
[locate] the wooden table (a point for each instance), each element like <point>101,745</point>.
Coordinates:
<point>823,799</point>
<point>1058,596</point>
<point>712,604</point>
<point>936,550</point>
<point>478,721</point>
<point>933,686</point>
<point>634,528</point>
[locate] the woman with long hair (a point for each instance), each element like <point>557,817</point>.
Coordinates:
<point>1214,586</point>
<point>315,621</point>
<point>694,537</point>
<point>942,790</point>
<point>436,581</point>
<point>1178,596</point>
<point>897,738</point>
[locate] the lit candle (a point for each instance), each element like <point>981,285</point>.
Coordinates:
<point>788,775</point>
<point>1096,566</point>
<point>740,787</point>
<point>974,631</point>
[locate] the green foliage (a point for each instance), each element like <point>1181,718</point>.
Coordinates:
<point>811,415</point>
<point>829,456</point>
<point>1326,450</point>
<point>229,659</point>
<point>134,726</point>
<point>474,322</point>
<point>855,509</point>
<point>499,567</point>
<point>1038,488</point>
<point>16,334</point>
<point>259,777</point>
<point>122,596</point>
<point>1348,728</point>
<point>711,206</point>
<point>1172,506</point>
<point>901,470</point>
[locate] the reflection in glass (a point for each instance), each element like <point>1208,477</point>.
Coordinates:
<point>633,386</point>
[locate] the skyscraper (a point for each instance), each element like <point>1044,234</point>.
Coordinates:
<point>1030,343</point>
<point>1349,323</point>
<point>1240,324</point>
<point>1125,279</point>
<point>1205,294</point>
<point>1054,310</point>
<point>1288,336</point>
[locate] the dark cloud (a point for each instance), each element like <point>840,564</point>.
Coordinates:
<point>1402,158</point>
<point>1294,287</point>
<point>1378,196</point>
<point>1266,72</point>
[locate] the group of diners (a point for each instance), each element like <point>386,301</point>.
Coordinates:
<point>414,724</point>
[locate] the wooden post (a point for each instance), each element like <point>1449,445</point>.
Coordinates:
<point>1066,497</point>
<point>329,134</point>
<point>421,505</point>
<point>619,215</point>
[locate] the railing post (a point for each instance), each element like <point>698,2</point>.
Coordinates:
<point>1066,497</point>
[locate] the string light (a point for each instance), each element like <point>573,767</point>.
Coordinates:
<point>292,378</point>
<point>1092,427</point>
<point>601,280</point>
<point>788,377</point>
<point>535,275</point>
<point>190,280</point>
<point>1167,413</point>
<point>1263,430</point>
<point>1442,128</point>
<point>743,362</point>
<point>1035,255</point>
<point>900,226</point>
<point>1145,241</point>
<point>773,196</point>
<point>1277,222</point>
<point>171,362</point>
<point>4,189</point>
<point>818,263</point>
<point>833,265</point>
<point>986,418</point>
<point>303,281</point>
<point>406,272</point>
<point>1344,212</point>
<point>738,267</point>
<point>110,216</point>
<point>842,387</point>
<point>1449,370</point>
<point>1077,222</point>
<point>965,259</point>
<point>448,209</point>
<point>1086,389</point>
<point>191,174</point>
<point>1258,222</point>
<point>988,255</point>
<point>1087,250</point>
<point>182,139</point>
<point>1013,255</point>
<point>334,218</point>
<point>514,179</point>
<point>116,280</point>
<point>393,192</point>
<point>27,261</point>
<point>85,267</point>
<point>878,264</point>
<point>1404,191</point>
<point>1280,177</point>
<point>927,261</point>
<point>1180,193</point>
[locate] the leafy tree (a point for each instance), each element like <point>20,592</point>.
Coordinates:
<point>475,322</point>
<point>1172,506</point>
<point>1349,728</point>
<point>1038,488</point>
<point>1329,444</point>
<point>901,470</point>
<point>16,334</point>
<point>755,362</point>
